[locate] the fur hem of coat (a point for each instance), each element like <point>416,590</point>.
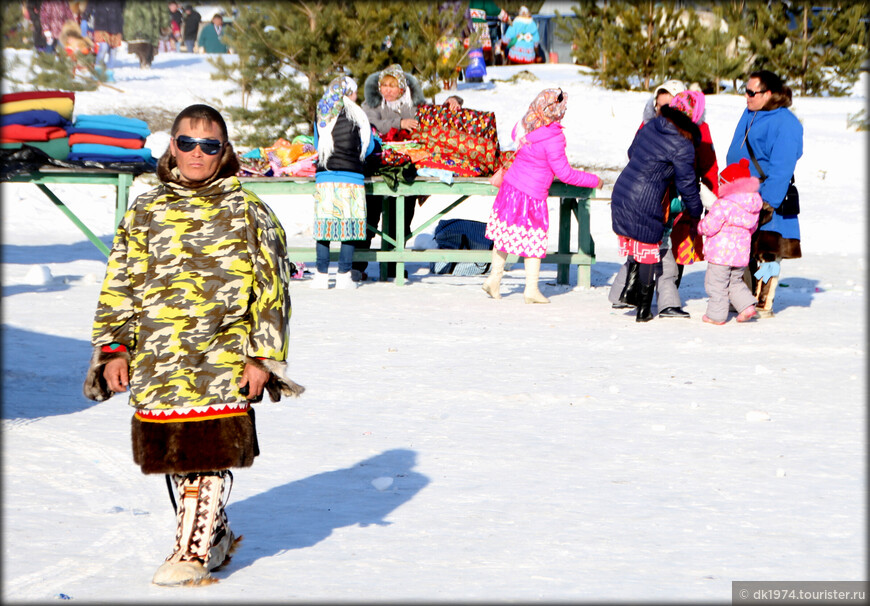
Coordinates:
<point>768,245</point>
<point>190,446</point>
<point>95,386</point>
<point>277,384</point>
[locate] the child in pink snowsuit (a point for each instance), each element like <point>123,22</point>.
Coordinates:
<point>728,229</point>
<point>520,219</point>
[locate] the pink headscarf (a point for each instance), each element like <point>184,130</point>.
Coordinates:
<point>691,103</point>
<point>545,109</point>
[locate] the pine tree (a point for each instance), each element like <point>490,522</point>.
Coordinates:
<point>427,24</point>
<point>830,45</point>
<point>144,20</point>
<point>816,47</point>
<point>642,41</point>
<point>288,52</point>
<point>57,71</point>
<point>716,52</point>
<point>585,32</point>
<point>17,31</point>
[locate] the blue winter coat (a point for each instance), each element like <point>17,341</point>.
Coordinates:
<point>659,155</point>
<point>777,138</point>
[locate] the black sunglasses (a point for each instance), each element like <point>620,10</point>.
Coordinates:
<point>752,93</point>
<point>209,147</point>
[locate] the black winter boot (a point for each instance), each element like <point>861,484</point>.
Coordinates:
<point>630,294</point>
<point>647,288</point>
<point>643,309</point>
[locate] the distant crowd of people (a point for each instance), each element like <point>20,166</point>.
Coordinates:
<point>100,27</point>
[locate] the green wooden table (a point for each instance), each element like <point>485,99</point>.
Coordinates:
<point>574,203</point>
<point>49,175</point>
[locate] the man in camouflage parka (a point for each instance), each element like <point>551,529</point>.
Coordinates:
<point>193,316</point>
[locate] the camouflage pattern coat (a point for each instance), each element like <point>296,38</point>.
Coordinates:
<point>196,285</point>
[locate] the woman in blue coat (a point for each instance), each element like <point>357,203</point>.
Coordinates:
<point>775,137</point>
<point>663,152</point>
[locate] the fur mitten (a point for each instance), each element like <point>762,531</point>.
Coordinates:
<point>278,384</point>
<point>95,386</point>
<point>707,197</point>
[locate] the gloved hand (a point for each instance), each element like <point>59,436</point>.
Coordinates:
<point>707,197</point>
<point>767,270</point>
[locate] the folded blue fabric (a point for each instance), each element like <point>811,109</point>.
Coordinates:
<point>34,117</point>
<point>109,150</point>
<point>109,159</point>
<point>106,132</point>
<point>114,122</point>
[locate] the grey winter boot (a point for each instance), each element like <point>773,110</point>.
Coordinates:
<point>203,539</point>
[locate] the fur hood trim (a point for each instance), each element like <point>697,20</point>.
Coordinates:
<point>373,96</point>
<point>746,185</point>
<point>683,123</point>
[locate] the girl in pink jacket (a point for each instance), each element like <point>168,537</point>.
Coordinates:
<point>520,219</point>
<point>728,229</point>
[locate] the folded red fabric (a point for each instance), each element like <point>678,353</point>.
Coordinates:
<point>103,140</point>
<point>18,132</point>
<point>36,94</point>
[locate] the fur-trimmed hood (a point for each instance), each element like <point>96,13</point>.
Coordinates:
<point>683,123</point>
<point>746,185</point>
<point>373,96</point>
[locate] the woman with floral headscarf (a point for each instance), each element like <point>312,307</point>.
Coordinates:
<point>663,152</point>
<point>520,219</point>
<point>343,138</point>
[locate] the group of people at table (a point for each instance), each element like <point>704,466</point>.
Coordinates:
<point>193,312</point>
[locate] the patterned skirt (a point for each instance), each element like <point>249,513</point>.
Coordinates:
<point>640,251</point>
<point>518,224</point>
<point>339,212</point>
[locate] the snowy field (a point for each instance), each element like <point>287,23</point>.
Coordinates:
<point>451,447</point>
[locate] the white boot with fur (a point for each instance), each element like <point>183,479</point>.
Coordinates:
<point>320,280</point>
<point>203,539</point>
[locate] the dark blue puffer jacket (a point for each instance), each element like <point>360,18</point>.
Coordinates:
<point>659,155</point>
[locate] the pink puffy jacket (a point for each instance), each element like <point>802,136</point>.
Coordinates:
<point>730,223</point>
<point>542,157</point>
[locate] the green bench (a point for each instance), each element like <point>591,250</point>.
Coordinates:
<point>574,205</point>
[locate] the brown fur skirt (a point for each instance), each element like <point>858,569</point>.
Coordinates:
<point>769,245</point>
<point>190,446</point>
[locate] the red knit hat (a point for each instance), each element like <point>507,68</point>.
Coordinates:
<point>732,172</point>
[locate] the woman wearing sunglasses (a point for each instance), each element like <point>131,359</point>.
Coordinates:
<point>192,318</point>
<point>520,218</point>
<point>771,137</point>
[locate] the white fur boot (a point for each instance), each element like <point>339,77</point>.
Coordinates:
<point>203,539</point>
<point>320,280</point>
<point>344,281</point>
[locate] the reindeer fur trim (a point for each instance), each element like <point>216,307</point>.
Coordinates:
<point>278,384</point>
<point>95,386</point>
<point>191,446</point>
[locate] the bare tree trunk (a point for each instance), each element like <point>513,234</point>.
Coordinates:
<point>805,35</point>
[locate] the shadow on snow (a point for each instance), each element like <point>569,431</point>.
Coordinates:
<point>305,512</point>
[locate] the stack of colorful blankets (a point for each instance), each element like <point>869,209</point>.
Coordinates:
<point>109,138</point>
<point>37,119</point>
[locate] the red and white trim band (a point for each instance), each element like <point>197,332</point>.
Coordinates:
<point>193,413</point>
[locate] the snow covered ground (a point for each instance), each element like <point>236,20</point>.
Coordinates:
<point>452,447</point>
